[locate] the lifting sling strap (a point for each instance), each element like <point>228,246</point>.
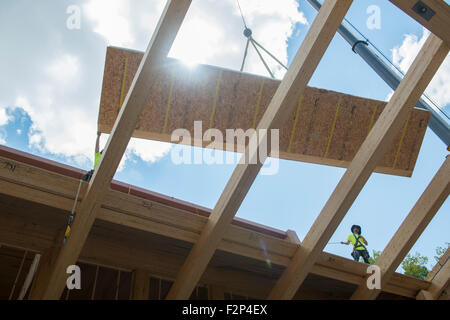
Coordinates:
<point>358,242</point>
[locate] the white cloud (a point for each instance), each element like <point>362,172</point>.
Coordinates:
<point>65,71</point>
<point>58,128</point>
<point>4,117</point>
<point>60,124</point>
<point>62,93</point>
<point>213,33</point>
<point>404,55</point>
<point>148,150</point>
<point>111,19</point>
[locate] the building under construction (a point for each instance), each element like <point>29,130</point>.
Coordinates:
<point>132,243</point>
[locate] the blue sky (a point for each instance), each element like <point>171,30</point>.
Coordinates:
<point>49,102</point>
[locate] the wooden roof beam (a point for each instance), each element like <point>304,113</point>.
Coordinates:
<point>437,22</point>
<point>380,137</point>
<point>153,60</point>
<point>410,230</point>
<point>438,265</point>
<point>19,231</point>
<point>287,96</point>
<point>58,191</point>
<point>440,282</point>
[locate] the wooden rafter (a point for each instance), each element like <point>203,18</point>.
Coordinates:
<point>438,265</point>
<point>153,61</point>
<point>410,230</point>
<point>439,283</point>
<point>438,23</point>
<point>287,95</point>
<point>380,137</point>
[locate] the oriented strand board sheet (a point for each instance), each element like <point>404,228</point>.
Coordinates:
<point>327,127</point>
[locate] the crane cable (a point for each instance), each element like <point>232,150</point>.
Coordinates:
<point>242,15</point>
<point>392,64</point>
<point>256,44</point>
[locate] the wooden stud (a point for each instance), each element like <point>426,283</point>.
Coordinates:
<point>410,230</point>
<point>30,276</point>
<point>141,285</point>
<point>42,275</point>
<point>116,297</point>
<point>216,292</point>
<point>153,61</point>
<point>18,275</point>
<point>373,148</point>
<point>282,104</point>
<point>95,284</point>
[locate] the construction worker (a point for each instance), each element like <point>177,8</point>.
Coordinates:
<point>357,240</point>
<point>87,177</point>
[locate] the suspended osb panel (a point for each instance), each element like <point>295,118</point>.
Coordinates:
<point>327,127</point>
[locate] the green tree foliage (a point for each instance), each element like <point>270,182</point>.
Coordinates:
<point>374,257</point>
<point>440,251</point>
<point>415,266</point>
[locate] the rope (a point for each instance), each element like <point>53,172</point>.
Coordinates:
<point>72,214</point>
<point>245,54</point>
<point>367,41</point>
<point>273,57</point>
<point>255,44</point>
<point>262,59</point>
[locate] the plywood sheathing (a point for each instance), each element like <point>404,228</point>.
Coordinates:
<point>327,127</point>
